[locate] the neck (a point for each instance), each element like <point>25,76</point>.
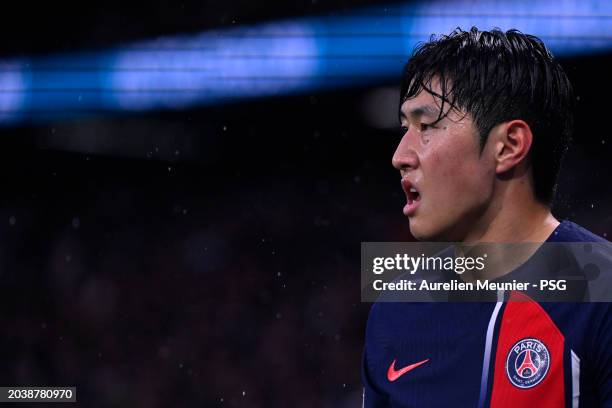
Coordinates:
<point>515,217</point>
<point>521,220</point>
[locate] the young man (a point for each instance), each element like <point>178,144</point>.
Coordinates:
<point>486,118</point>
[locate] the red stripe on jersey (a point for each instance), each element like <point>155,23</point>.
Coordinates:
<point>524,318</point>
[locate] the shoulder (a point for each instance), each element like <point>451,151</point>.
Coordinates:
<point>568,231</point>
<point>387,320</point>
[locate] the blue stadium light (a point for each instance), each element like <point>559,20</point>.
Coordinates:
<point>363,47</point>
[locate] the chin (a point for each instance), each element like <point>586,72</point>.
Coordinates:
<point>423,231</point>
<point>420,232</point>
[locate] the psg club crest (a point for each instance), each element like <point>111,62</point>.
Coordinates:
<point>527,364</point>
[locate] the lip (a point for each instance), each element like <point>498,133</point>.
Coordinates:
<point>412,204</point>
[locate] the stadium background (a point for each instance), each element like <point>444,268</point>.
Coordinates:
<point>208,255</point>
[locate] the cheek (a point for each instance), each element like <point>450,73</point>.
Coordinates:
<point>458,174</point>
<point>447,168</point>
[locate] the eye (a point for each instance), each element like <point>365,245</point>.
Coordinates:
<point>427,126</point>
<point>403,130</point>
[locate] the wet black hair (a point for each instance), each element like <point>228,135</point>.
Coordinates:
<point>497,77</point>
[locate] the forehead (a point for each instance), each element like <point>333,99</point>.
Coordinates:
<point>424,103</point>
<point>416,108</point>
<point>427,105</point>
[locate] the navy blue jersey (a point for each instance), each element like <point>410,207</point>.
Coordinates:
<point>496,354</point>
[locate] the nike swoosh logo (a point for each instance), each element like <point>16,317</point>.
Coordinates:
<point>394,374</point>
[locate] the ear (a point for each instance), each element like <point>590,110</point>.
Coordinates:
<point>513,141</point>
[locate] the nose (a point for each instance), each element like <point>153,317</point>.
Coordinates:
<point>405,157</point>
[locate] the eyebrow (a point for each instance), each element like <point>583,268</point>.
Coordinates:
<point>423,110</point>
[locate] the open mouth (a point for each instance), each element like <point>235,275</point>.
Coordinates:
<point>413,197</point>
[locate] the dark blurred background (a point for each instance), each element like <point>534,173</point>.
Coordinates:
<point>209,256</point>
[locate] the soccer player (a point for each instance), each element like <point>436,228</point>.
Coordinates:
<point>486,118</point>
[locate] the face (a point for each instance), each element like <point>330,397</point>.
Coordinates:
<point>447,180</point>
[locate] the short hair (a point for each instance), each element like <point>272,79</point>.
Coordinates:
<point>497,77</point>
